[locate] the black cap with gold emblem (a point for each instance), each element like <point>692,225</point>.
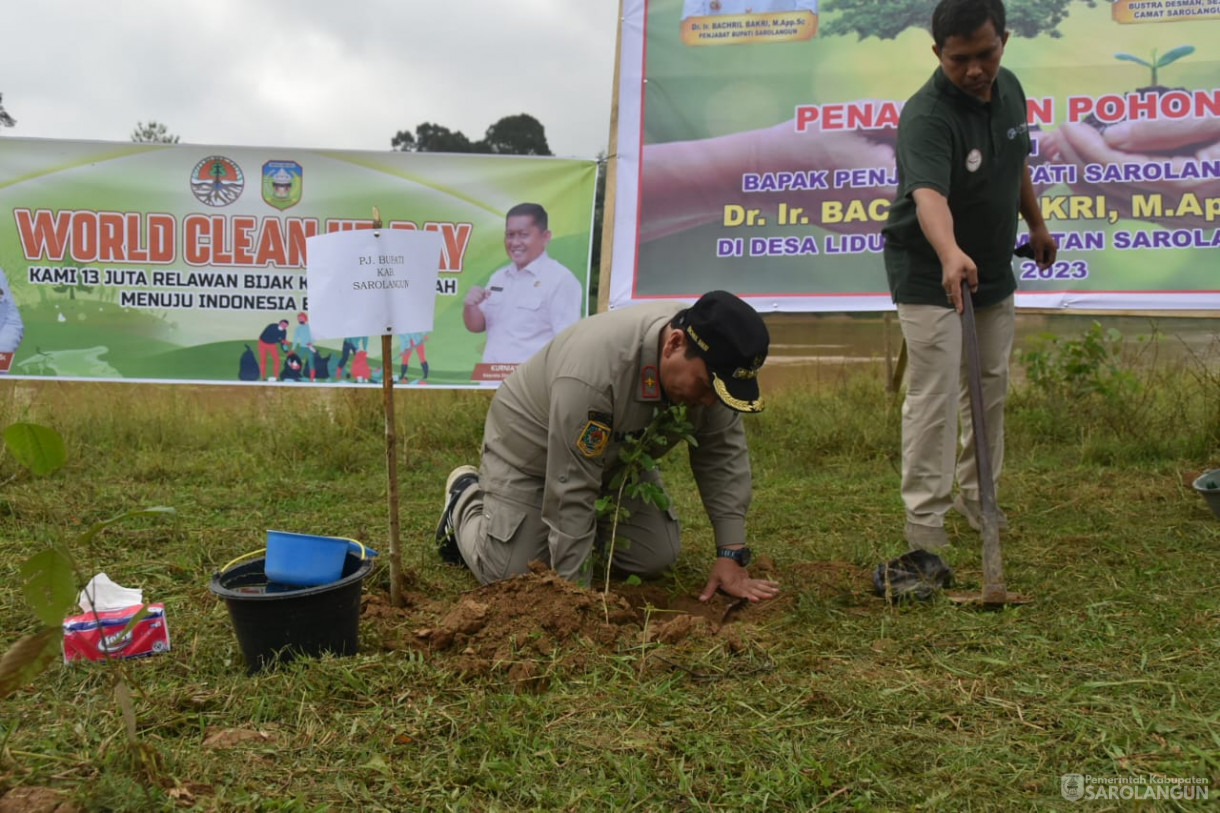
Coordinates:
<point>731,338</point>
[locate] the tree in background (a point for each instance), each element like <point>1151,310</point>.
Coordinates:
<point>521,134</point>
<point>152,133</point>
<point>867,18</point>
<point>431,137</point>
<point>5,119</point>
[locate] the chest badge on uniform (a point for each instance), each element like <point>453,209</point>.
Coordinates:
<point>650,385</point>
<point>974,160</point>
<point>593,439</point>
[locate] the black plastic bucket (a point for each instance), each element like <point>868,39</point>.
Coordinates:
<point>276,623</point>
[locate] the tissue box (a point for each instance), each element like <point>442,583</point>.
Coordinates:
<point>87,639</point>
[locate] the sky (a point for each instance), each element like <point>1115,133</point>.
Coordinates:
<point>334,74</point>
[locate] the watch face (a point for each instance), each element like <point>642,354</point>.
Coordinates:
<point>743,557</point>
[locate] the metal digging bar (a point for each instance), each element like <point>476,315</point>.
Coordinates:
<point>994,592</point>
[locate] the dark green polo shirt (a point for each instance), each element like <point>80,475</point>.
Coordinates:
<point>972,152</point>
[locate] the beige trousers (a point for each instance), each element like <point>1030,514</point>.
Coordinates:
<point>501,531</point>
<point>938,393</point>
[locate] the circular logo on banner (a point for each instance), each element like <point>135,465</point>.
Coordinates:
<point>974,160</point>
<point>217,181</point>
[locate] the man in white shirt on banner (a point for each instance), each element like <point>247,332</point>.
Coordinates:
<point>527,302</point>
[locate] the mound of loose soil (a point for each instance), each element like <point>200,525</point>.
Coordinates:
<point>533,625</point>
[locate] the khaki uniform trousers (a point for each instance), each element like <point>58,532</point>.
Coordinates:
<point>938,392</point>
<point>499,533</point>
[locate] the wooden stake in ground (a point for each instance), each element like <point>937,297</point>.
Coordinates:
<point>391,458</point>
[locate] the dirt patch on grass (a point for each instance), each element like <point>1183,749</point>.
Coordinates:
<point>532,626</point>
<point>842,580</point>
<point>36,800</point>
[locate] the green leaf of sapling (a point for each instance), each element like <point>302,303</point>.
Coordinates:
<point>38,448</point>
<point>49,586</point>
<point>1173,55</point>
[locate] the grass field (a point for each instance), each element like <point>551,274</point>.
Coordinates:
<point>828,698</point>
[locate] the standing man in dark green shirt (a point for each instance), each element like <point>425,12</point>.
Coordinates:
<point>963,140</point>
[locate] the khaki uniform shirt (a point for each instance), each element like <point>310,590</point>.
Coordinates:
<point>556,427</point>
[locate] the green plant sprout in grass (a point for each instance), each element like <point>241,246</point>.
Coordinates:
<point>1067,370</point>
<point>636,458</point>
<point>1168,57</point>
<point>50,581</point>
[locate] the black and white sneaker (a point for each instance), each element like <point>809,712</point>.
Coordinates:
<point>460,479</point>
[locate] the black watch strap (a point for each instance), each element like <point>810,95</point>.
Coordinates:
<point>739,555</point>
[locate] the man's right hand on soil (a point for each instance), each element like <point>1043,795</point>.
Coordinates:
<point>735,580</point>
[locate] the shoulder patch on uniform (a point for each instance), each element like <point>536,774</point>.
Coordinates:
<point>594,438</point>
<point>650,385</point>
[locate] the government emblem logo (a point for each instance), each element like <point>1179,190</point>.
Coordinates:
<point>282,184</point>
<point>593,439</point>
<point>217,181</point>
<point>1071,785</point>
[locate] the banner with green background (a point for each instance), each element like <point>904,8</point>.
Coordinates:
<point>755,148</point>
<point>168,262</point>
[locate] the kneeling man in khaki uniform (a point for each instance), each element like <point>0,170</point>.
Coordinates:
<point>556,426</point>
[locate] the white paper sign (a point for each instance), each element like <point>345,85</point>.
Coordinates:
<point>369,282</point>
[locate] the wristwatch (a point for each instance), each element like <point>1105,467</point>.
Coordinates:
<point>739,555</point>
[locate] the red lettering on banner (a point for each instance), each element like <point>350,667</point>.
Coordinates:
<point>491,372</point>
<point>244,241</point>
<point>805,116</point>
<point>456,237</point>
<point>271,244</point>
<point>1040,111</point>
<point>298,230</point>
<point>242,226</point>
<point>193,229</point>
<point>86,236</point>
<point>866,115</point>
<point>1149,105</point>
<point>216,225</point>
<point>44,235</point>
<point>110,238</point>
<point>1079,107</point>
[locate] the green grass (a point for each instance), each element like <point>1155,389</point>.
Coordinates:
<point>835,699</point>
